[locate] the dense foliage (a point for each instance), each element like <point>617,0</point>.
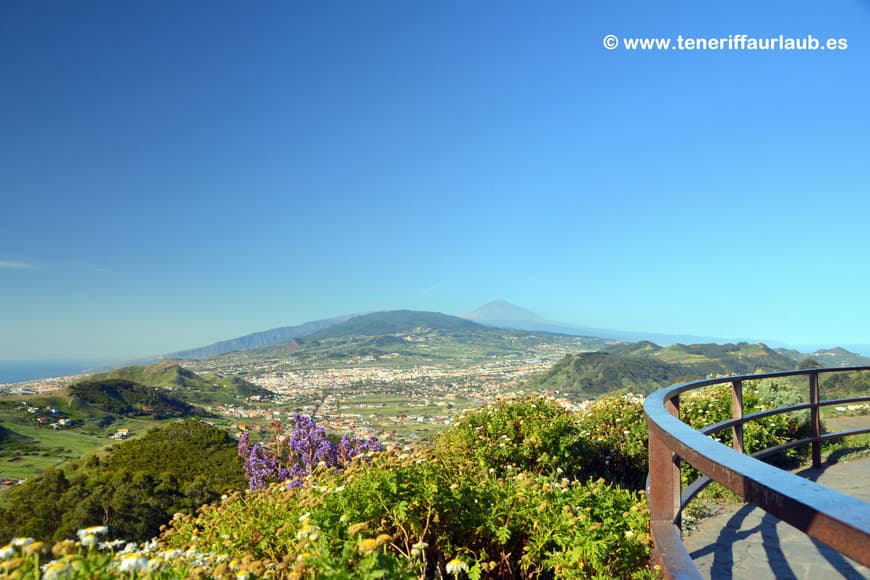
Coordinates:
<point>535,436</point>
<point>123,397</point>
<point>616,436</point>
<point>522,489</point>
<point>842,385</point>
<point>133,488</point>
<point>503,494</point>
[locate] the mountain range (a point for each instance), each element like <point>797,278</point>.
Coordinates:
<point>499,314</point>
<point>258,339</point>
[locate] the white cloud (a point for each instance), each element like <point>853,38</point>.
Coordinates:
<point>15,265</point>
<point>87,267</point>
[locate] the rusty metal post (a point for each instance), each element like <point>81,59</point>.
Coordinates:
<point>737,413</point>
<point>815,420</point>
<point>664,477</point>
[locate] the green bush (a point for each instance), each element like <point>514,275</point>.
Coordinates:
<point>617,440</point>
<point>466,506</point>
<point>530,434</point>
<point>713,404</point>
<point>523,489</point>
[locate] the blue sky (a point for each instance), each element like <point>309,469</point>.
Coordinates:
<point>172,174</point>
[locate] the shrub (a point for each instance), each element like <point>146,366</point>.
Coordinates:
<point>465,506</point>
<point>530,434</point>
<point>713,404</point>
<point>617,438</point>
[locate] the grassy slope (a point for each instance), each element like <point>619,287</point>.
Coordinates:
<point>30,447</point>
<point>645,366</point>
<point>194,388</point>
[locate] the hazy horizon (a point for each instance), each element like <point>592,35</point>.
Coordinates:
<point>176,174</point>
<point>90,363</point>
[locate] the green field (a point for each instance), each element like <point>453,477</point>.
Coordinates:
<point>44,446</point>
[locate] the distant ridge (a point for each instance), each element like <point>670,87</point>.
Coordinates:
<point>395,321</point>
<point>502,310</point>
<point>838,357</point>
<point>495,314</point>
<point>258,339</point>
<point>502,314</point>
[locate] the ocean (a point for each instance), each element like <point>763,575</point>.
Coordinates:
<point>12,371</point>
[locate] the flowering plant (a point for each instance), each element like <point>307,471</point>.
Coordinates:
<point>293,457</point>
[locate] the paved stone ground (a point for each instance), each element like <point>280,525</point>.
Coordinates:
<point>745,542</point>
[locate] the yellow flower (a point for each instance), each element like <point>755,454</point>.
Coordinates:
<point>455,566</point>
<point>63,548</point>
<point>384,538</point>
<point>367,545</point>
<point>354,529</point>
<point>56,571</point>
<point>34,548</point>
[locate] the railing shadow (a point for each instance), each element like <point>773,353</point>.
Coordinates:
<point>768,529</point>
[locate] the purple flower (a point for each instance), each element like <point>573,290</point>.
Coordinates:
<point>261,468</point>
<point>244,445</point>
<point>292,458</point>
<point>351,447</point>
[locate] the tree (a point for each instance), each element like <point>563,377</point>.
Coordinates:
<point>809,363</point>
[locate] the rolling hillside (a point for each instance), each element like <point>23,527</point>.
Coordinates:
<point>184,384</point>
<point>645,366</point>
<point>838,357</point>
<point>406,338</point>
<point>123,397</point>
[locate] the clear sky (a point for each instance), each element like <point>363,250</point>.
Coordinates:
<point>176,173</point>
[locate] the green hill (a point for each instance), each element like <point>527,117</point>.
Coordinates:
<point>741,358</point>
<point>123,397</point>
<point>47,429</point>
<point>187,385</point>
<point>839,357</point>
<point>265,338</point>
<point>644,366</point>
<point>594,373</point>
<point>644,347</point>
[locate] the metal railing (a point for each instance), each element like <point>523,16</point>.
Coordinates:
<point>840,521</point>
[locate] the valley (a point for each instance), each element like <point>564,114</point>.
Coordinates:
<point>403,376</point>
